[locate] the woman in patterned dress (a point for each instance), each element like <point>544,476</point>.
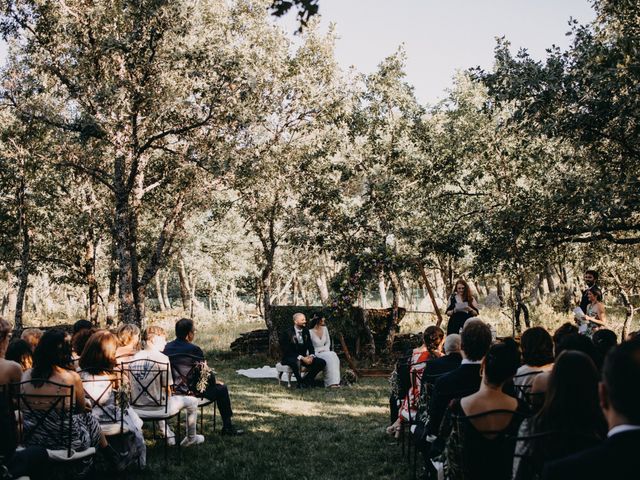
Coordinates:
<point>431,347</point>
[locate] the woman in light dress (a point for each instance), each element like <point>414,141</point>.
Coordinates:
<point>322,346</point>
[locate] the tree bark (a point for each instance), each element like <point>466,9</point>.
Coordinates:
<point>113,284</point>
<point>90,276</point>
<point>184,285</point>
<point>159,293</point>
<point>25,251</point>
<point>432,296</point>
<point>630,310</point>
<point>393,319</point>
<point>165,290</point>
<point>382,289</point>
<point>323,290</point>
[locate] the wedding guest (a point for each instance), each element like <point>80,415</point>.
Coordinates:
<point>446,363</point>
<point>537,354</point>
<point>619,394</point>
<point>19,351</point>
<point>569,421</point>
<point>215,390</point>
<point>78,341</point>
<point>81,325</point>
<point>596,316</point>
<point>464,380</point>
<point>575,341</point>
<point>50,361</point>
<point>604,340</point>
<point>478,427</point>
<point>462,306</point>
<point>562,331</point>
<point>98,362</point>
<point>32,336</point>
<point>10,372</point>
<point>591,280</point>
<point>297,347</point>
<point>431,347</point>
<point>129,339</point>
<point>322,345</point>
<point>155,340</point>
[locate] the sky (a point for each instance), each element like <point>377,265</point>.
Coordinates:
<point>440,37</point>
<point>443,36</point>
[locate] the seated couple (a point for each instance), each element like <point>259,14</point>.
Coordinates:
<point>310,349</point>
<point>156,348</point>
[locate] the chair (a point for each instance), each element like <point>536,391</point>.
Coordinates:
<point>149,384</point>
<point>286,369</point>
<point>415,382</point>
<point>523,390</point>
<point>97,392</point>
<point>469,449</point>
<point>8,427</point>
<point>185,370</point>
<point>53,420</point>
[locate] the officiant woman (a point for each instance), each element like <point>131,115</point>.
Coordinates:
<point>462,306</point>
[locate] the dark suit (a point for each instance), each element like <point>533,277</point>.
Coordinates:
<point>292,348</point>
<point>458,383</point>
<point>440,366</point>
<point>615,458</point>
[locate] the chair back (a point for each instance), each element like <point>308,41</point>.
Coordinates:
<point>149,383</point>
<point>47,416</point>
<point>185,370</point>
<point>471,452</point>
<point>97,391</point>
<point>522,385</point>
<point>9,437</point>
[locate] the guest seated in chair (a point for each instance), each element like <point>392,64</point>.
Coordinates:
<point>155,340</point>
<point>19,351</point>
<point>50,361</point>
<point>479,428</point>
<point>10,372</point>
<point>98,362</point>
<point>619,394</point>
<point>32,336</point>
<point>181,349</point>
<point>129,339</point>
<point>297,348</point>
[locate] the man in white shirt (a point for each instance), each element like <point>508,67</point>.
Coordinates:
<point>155,339</point>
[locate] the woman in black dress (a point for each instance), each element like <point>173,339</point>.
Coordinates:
<point>462,306</point>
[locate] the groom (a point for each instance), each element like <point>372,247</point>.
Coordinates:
<point>297,348</point>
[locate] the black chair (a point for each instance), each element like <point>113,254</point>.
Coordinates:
<point>415,376</point>
<point>186,370</point>
<point>8,427</point>
<point>149,398</point>
<point>523,391</point>
<point>111,420</point>
<point>49,417</point>
<point>467,447</point>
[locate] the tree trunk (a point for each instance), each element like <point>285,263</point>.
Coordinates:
<point>370,341</point>
<point>25,252</point>
<point>159,293</point>
<point>323,289</point>
<point>90,276</point>
<point>551,284</point>
<point>113,284</point>
<point>165,290</point>
<point>393,319</point>
<point>184,285</point>
<point>630,310</point>
<point>303,293</point>
<point>432,296</point>
<point>382,289</point>
<point>124,247</point>
<point>265,285</point>
<point>500,290</point>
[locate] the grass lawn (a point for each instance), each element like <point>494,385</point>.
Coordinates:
<point>290,434</point>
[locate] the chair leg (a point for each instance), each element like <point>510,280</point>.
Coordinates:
<point>166,443</point>
<point>214,416</point>
<point>178,439</point>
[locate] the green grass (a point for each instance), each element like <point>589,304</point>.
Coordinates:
<point>290,434</point>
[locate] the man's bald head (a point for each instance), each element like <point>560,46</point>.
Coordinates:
<point>299,320</point>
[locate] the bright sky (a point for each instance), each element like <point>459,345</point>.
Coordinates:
<point>441,36</point>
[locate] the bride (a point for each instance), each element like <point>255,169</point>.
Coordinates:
<point>322,346</point>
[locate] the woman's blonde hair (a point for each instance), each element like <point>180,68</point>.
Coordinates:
<point>127,333</point>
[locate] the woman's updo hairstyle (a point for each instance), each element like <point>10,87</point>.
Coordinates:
<point>502,361</point>
<point>432,338</point>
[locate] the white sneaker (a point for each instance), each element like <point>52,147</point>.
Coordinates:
<point>195,440</point>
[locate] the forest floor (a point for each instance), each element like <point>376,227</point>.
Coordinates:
<point>289,434</point>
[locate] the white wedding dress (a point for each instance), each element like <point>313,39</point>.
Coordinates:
<point>322,347</point>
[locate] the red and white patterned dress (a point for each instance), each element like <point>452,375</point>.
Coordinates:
<point>409,407</point>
